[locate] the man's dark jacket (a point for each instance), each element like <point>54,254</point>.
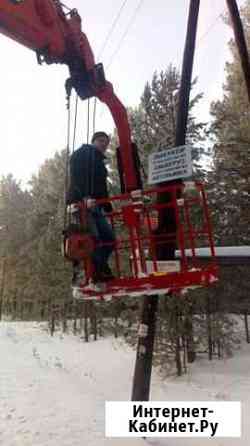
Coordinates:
<point>88,175</point>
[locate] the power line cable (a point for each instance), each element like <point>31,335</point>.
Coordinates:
<point>210,28</point>
<point>124,35</point>
<point>131,22</point>
<point>112,28</point>
<point>109,34</point>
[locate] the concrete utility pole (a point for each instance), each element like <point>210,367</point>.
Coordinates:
<point>240,41</point>
<point>146,335</point>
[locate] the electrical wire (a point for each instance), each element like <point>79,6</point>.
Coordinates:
<point>124,35</point>
<point>109,34</point>
<point>112,28</point>
<point>131,22</point>
<point>209,28</point>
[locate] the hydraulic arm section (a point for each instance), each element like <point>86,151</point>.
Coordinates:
<point>56,35</point>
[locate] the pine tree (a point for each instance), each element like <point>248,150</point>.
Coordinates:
<point>153,123</point>
<point>154,120</point>
<point>229,179</point>
<point>230,176</point>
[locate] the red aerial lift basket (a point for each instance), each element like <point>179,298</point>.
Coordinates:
<point>151,257</point>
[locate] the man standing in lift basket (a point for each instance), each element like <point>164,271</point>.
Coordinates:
<point>88,181</point>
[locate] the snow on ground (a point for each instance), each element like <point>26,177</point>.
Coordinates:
<point>53,390</point>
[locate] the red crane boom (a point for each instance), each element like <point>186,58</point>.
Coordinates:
<point>56,36</point>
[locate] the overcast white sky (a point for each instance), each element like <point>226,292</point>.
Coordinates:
<point>32,107</point>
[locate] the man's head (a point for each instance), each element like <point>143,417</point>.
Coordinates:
<point>101,141</point>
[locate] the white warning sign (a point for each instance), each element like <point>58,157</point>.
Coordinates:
<point>170,164</point>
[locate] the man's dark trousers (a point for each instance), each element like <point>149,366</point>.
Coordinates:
<point>103,233</point>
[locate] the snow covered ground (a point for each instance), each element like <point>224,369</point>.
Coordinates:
<point>52,390</point>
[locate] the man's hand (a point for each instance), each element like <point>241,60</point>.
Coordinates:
<point>90,203</point>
